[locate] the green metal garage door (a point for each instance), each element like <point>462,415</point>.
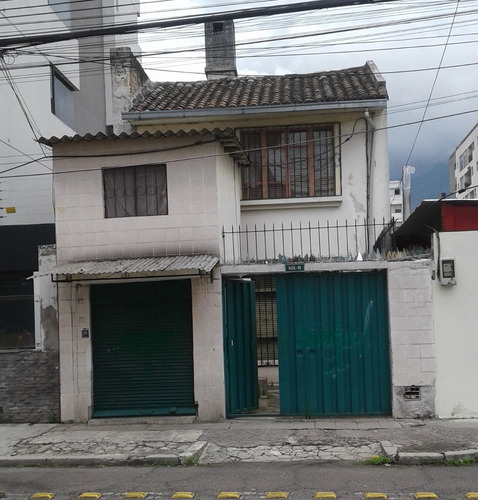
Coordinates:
<point>333,344</point>
<point>142,349</point>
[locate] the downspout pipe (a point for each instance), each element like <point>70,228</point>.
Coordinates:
<point>370,135</point>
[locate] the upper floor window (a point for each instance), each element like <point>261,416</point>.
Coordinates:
<point>135,191</point>
<point>471,148</point>
<point>62,97</point>
<point>290,162</point>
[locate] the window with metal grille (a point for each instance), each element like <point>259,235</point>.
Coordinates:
<point>135,191</point>
<point>289,162</point>
<point>266,321</point>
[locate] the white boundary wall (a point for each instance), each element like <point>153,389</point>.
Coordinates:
<point>455,328</point>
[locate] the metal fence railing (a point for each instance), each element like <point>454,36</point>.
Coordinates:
<point>312,242</point>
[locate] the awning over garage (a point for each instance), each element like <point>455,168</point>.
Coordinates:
<point>178,266</point>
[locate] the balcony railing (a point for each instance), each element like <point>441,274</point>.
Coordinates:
<point>308,243</point>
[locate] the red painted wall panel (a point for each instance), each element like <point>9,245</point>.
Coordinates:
<point>459,217</point>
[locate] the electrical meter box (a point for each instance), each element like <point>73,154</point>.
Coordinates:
<point>447,272</point>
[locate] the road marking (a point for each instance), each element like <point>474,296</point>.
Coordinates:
<point>90,495</point>
<point>473,495</point>
<point>425,494</point>
<point>47,496</point>
<point>276,494</point>
<point>135,494</point>
<point>229,494</point>
<point>326,495</point>
<point>183,494</point>
<point>376,495</point>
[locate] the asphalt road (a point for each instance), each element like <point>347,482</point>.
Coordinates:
<point>300,481</point>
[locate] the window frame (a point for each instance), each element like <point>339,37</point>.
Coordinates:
<point>134,203</point>
<point>273,157</point>
<point>65,115</point>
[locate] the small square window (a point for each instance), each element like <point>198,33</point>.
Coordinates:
<point>135,191</point>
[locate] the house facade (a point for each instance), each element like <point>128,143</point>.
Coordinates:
<point>52,89</point>
<point>223,249</point>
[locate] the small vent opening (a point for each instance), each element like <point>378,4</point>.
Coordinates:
<point>412,393</point>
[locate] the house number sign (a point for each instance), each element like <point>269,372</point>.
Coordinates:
<point>294,267</point>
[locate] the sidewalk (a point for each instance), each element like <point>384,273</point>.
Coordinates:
<point>180,441</point>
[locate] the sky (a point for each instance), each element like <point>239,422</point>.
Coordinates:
<point>427,51</point>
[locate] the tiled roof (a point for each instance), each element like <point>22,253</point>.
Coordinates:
<point>226,134</point>
<point>352,84</point>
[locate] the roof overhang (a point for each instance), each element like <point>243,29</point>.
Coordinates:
<point>189,266</point>
<point>218,114</point>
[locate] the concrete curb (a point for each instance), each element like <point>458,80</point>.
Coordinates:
<point>419,458</point>
<point>424,458</point>
<point>192,455</point>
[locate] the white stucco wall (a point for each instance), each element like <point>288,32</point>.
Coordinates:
<point>454,309</point>
<point>192,225</point>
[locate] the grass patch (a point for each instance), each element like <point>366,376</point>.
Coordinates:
<point>190,461</point>
<point>379,460</point>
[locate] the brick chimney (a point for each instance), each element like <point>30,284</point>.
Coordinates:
<point>220,49</point>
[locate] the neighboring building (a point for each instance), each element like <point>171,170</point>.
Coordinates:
<point>452,226</point>
<point>396,201</point>
<point>53,89</point>
<point>175,233</point>
<point>463,167</point>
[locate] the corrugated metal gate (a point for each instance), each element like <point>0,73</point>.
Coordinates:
<point>240,346</point>
<point>333,344</point>
<point>142,349</point>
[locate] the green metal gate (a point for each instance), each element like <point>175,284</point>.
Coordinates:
<point>142,349</point>
<point>240,346</point>
<point>333,344</point>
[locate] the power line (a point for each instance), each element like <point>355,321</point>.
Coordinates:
<point>188,20</point>
<point>433,85</point>
<point>156,150</point>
